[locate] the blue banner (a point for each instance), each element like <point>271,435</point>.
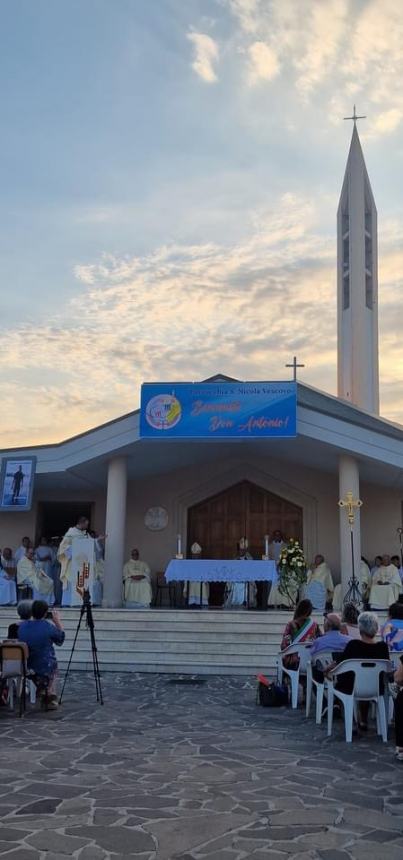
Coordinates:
<point>218,410</point>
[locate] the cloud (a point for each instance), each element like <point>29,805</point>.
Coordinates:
<point>387,121</point>
<point>206,56</point>
<point>263,63</point>
<point>332,51</point>
<point>189,311</point>
<point>181,311</point>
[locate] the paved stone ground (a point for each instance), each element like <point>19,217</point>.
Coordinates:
<point>166,770</point>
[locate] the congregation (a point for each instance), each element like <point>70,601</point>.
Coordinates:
<point>350,636</point>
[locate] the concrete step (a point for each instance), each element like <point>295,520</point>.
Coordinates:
<point>172,641</point>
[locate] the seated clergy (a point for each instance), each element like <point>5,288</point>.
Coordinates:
<point>22,549</point>
<point>137,582</point>
<point>8,562</point>
<point>385,585</point>
<point>194,587</point>
<point>364,579</point>
<point>320,572</point>
<point>8,590</point>
<point>35,578</point>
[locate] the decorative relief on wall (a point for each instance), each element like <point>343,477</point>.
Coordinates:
<point>156,519</point>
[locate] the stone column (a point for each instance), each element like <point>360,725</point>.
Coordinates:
<point>349,479</point>
<point>115,531</point>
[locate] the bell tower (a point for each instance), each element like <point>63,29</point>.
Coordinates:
<point>357,284</point>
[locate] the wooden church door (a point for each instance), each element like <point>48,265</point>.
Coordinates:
<point>244,509</point>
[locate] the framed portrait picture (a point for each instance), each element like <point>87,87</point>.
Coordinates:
<point>17,483</point>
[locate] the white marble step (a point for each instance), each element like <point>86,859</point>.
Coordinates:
<point>173,641</point>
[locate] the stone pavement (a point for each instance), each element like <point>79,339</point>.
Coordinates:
<point>168,770</point>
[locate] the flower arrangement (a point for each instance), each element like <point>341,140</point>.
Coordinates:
<point>292,569</point>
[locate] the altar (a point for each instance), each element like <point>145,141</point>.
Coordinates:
<point>228,571</point>
<point>220,570</point>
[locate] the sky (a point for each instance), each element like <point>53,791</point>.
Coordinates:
<point>170,172</point>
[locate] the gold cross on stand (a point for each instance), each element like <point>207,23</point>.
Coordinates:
<point>354,117</point>
<point>294,366</point>
<point>351,504</point>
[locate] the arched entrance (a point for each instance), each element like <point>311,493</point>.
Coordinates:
<point>217,523</point>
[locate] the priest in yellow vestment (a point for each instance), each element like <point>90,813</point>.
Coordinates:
<point>36,579</point>
<point>137,582</point>
<point>386,585</point>
<point>320,572</point>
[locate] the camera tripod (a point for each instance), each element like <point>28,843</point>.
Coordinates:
<point>86,610</point>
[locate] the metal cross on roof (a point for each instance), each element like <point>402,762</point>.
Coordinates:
<point>354,117</point>
<point>294,366</point>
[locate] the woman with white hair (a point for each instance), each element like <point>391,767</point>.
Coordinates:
<point>364,648</point>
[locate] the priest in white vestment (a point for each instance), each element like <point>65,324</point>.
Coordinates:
<point>194,587</point>
<point>385,586</point>
<point>137,582</point>
<point>22,549</point>
<point>320,572</point>
<point>276,545</point>
<point>31,575</point>
<point>68,576</point>
<point>237,592</point>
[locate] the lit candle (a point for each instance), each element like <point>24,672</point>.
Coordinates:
<point>266,545</point>
<point>179,545</point>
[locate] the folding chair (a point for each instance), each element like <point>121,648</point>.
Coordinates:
<point>325,658</point>
<point>13,669</point>
<point>162,585</point>
<point>301,649</point>
<point>367,676</point>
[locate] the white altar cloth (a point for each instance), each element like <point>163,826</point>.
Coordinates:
<point>220,570</point>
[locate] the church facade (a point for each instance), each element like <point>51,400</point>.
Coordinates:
<point>143,493</point>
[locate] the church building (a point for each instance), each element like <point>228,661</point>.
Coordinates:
<point>143,493</point>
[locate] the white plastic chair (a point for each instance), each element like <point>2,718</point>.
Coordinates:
<point>366,689</point>
<point>316,593</point>
<point>389,703</point>
<point>326,658</point>
<point>302,650</point>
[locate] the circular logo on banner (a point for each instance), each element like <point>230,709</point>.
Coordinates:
<point>163,411</point>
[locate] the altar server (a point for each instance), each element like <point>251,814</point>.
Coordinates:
<point>386,585</point>
<point>137,582</point>
<point>320,572</point>
<point>64,555</point>
<point>35,578</point>
<point>194,587</point>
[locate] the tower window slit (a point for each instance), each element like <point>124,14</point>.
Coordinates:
<point>368,253</point>
<point>369,292</point>
<point>346,292</point>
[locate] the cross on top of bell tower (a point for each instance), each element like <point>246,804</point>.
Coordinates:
<point>355,116</point>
